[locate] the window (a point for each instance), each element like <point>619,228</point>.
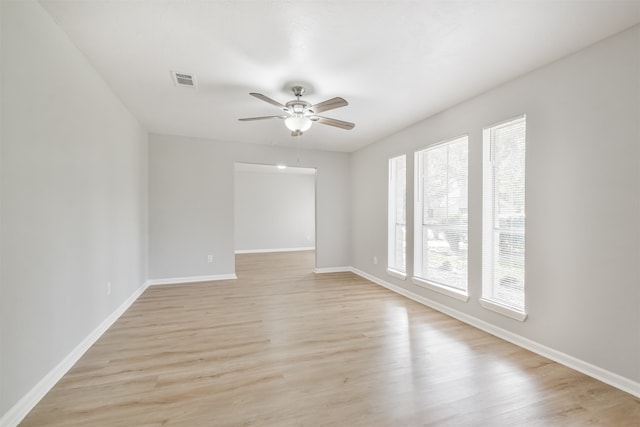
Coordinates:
<point>441,218</point>
<point>397,256</point>
<point>503,219</point>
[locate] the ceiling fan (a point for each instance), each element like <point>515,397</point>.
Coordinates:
<point>301,114</point>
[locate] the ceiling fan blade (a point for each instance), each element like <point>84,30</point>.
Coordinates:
<point>267,99</point>
<point>334,122</point>
<point>329,104</point>
<point>248,119</point>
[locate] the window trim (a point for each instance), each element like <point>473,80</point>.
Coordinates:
<point>449,291</point>
<point>453,292</point>
<point>392,269</point>
<point>396,273</point>
<point>503,309</point>
<point>487,238</point>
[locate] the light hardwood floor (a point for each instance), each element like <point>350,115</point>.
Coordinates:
<point>282,346</point>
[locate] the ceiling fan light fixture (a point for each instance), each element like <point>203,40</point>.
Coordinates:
<point>297,122</point>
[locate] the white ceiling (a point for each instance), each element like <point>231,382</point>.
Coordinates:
<point>395,62</point>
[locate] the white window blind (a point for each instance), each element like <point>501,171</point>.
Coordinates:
<point>397,228</point>
<point>503,236</point>
<point>441,214</point>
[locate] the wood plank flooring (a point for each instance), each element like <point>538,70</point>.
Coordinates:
<point>282,346</point>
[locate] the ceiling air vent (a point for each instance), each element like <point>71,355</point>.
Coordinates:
<point>184,79</point>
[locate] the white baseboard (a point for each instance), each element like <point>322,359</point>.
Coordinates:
<point>191,279</point>
<point>607,377</point>
<point>20,410</point>
<point>323,270</point>
<point>260,251</point>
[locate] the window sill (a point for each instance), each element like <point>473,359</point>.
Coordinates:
<point>397,274</point>
<point>444,290</point>
<point>503,309</point>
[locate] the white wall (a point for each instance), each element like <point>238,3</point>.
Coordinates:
<point>582,201</point>
<point>274,210</point>
<point>74,200</point>
<point>191,203</point>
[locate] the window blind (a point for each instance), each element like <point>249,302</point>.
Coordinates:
<point>441,214</point>
<point>397,214</point>
<point>504,213</point>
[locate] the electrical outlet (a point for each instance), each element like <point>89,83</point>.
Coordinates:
<point>209,258</point>
<point>375,260</point>
<point>108,288</point>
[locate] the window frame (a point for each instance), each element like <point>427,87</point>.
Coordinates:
<point>489,229</point>
<point>419,207</point>
<point>399,272</point>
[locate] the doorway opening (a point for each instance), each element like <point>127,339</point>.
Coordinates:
<point>275,208</point>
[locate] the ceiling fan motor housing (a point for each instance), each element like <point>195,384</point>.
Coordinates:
<point>297,106</point>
